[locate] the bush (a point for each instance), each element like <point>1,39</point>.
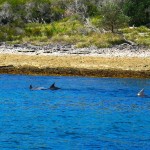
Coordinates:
<point>139,35</point>
<point>113,16</point>
<point>138,11</point>
<point>49,32</point>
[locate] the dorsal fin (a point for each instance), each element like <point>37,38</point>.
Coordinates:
<point>141,93</point>
<point>30,87</point>
<point>53,85</point>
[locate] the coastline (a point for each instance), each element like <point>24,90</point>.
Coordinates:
<point>75,66</point>
<point>113,62</point>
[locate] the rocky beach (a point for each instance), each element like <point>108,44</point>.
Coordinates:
<point>122,50</point>
<point>123,60</point>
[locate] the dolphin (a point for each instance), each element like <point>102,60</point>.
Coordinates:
<point>53,87</point>
<point>141,93</point>
<point>36,88</point>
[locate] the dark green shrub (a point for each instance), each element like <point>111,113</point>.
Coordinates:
<point>33,31</point>
<point>113,16</point>
<point>138,11</point>
<point>49,32</point>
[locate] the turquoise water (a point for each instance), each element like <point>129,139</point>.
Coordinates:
<point>86,114</point>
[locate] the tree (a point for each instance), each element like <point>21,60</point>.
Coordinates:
<point>6,13</point>
<point>113,16</point>
<point>138,11</point>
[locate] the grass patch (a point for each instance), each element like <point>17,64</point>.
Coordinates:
<point>100,40</point>
<point>96,21</point>
<point>93,39</point>
<point>139,35</point>
<point>70,31</point>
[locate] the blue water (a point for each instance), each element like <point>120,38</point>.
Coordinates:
<point>86,114</point>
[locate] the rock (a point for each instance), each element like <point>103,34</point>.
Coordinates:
<point>47,51</point>
<point>67,46</point>
<point>26,51</point>
<point>17,45</point>
<point>124,49</point>
<point>65,50</point>
<point>2,43</point>
<point>7,67</point>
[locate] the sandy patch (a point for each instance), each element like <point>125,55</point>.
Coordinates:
<point>77,63</point>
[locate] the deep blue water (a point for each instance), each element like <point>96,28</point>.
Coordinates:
<point>86,114</point>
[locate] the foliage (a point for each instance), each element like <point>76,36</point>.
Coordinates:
<point>9,34</point>
<point>97,21</point>
<point>64,32</point>
<point>41,11</point>
<point>45,21</point>
<point>47,11</point>
<point>139,35</point>
<point>138,11</point>
<point>113,17</point>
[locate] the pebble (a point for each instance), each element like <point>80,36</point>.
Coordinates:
<point>122,50</point>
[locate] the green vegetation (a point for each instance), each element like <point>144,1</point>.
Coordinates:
<point>139,35</point>
<point>80,22</point>
<point>113,16</point>
<point>72,32</point>
<point>138,11</point>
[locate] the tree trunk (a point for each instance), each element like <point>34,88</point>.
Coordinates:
<point>112,28</point>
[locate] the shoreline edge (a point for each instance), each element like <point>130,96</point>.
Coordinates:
<point>86,66</point>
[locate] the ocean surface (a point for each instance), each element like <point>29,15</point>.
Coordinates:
<point>85,114</point>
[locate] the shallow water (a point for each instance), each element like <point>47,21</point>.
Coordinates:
<point>86,114</point>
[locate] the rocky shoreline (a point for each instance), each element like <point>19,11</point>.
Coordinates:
<point>122,50</point>
<point>123,61</point>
